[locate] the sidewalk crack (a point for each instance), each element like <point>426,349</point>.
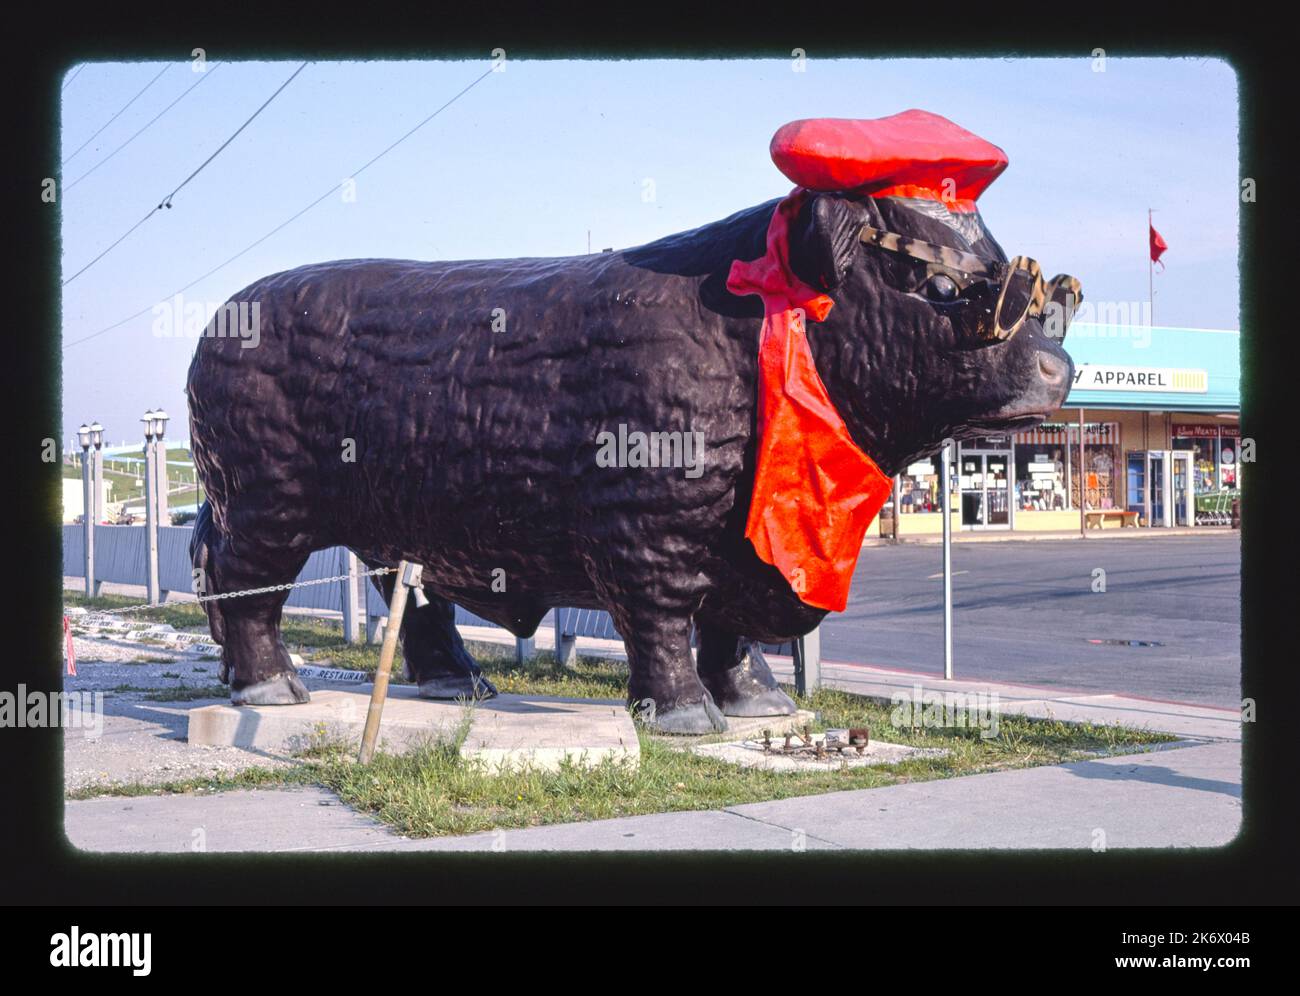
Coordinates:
<point>782,826</point>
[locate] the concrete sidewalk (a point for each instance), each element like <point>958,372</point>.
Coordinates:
<point>1185,797</point>
<point>882,683</point>
<point>1009,536</point>
<point>1183,719</point>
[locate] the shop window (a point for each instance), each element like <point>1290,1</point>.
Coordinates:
<point>1229,466</point>
<point>1214,454</point>
<point>1098,477</point>
<point>1204,461</point>
<point>1048,475</point>
<point>918,487</point>
<point>1040,477</point>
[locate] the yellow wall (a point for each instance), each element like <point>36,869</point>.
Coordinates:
<point>917,524</point>
<point>1055,521</point>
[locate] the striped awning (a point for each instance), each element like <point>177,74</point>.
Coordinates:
<point>1103,434</point>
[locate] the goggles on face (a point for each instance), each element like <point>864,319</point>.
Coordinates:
<point>1021,291</point>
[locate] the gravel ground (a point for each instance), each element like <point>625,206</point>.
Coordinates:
<point>145,690</point>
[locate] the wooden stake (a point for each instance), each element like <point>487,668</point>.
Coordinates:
<point>380,691</point>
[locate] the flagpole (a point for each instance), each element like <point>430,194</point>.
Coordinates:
<point>1151,280</point>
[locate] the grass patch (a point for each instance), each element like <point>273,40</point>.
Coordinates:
<point>248,778</point>
<point>433,791</point>
<point>188,693</point>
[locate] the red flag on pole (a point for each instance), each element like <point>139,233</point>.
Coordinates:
<point>1158,245</point>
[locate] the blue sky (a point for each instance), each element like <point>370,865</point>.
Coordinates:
<point>533,157</point>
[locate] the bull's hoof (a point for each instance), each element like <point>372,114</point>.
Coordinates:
<point>748,689</point>
<point>279,689</point>
<point>766,702</point>
<point>687,719</point>
<point>457,686</point>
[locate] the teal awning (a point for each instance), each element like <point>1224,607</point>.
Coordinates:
<point>1157,369</point>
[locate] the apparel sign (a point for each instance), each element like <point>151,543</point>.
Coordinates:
<point>1174,380</point>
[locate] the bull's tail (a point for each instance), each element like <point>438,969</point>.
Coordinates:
<point>201,541</point>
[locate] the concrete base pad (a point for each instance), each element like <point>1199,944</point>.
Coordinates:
<point>512,731</point>
<point>509,731</point>
<point>751,754</point>
<point>750,726</point>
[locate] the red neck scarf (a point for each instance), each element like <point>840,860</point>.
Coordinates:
<point>815,492</point>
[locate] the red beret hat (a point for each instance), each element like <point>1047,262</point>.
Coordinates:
<point>911,154</point>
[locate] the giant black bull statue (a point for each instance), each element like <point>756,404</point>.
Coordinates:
<point>481,418</point>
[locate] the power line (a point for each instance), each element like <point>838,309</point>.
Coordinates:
<point>69,80</point>
<point>166,202</point>
<point>202,76</point>
<point>115,116</point>
<point>286,222</point>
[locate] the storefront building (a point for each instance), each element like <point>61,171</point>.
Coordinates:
<point>1159,412</point>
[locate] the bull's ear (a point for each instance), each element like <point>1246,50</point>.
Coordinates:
<point>823,240</point>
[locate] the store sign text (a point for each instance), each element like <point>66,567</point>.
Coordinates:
<point>1188,431</point>
<point>1089,377</point>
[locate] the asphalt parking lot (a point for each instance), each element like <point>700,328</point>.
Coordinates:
<point>1025,611</point>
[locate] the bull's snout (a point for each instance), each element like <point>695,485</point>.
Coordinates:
<point>1053,369</point>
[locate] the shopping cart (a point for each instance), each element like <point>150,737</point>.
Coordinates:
<point>1215,508</point>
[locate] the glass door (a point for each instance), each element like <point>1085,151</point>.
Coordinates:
<point>1158,490</point>
<point>997,489</point>
<point>973,506</point>
<point>985,478</point>
<point>1183,490</point>
<point>1137,486</point>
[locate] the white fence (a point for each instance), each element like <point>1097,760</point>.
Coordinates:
<point>121,557</point>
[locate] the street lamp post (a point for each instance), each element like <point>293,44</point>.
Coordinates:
<point>151,506</point>
<point>87,509</point>
<point>97,469</point>
<point>160,419</point>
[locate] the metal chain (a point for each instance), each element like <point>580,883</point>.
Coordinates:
<point>249,591</point>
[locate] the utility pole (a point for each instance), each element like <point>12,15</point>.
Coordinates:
<point>1151,276</point>
<point>897,507</point>
<point>947,557</point>
<point>1083,482</point>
